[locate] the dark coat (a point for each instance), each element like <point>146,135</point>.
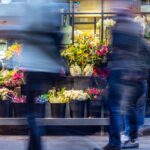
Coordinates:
<point>129,50</point>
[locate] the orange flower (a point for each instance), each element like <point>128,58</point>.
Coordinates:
<point>17,48</point>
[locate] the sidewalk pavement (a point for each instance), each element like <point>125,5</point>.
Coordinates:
<point>64,142</point>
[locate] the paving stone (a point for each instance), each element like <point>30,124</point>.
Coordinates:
<point>64,142</point>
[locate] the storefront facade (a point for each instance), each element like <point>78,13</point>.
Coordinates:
<point>94,17</point>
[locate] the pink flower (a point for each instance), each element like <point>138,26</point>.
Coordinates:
<point>100,53</point>
<point>17,76</point>
<point>17,99</point>
<point>94,92</point>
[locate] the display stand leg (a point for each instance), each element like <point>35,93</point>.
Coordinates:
<point>102,133</point>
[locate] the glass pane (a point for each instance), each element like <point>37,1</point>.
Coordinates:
<point>3,48</point>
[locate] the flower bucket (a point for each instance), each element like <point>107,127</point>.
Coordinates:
<point>77,109</point>
<point>58,110</point>
<point>93,108</point>
<point>20,110</point>
<point>5,108</point>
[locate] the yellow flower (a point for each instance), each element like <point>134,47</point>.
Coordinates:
<point>79,52</point>
<point>86,33</point>
<point>13,49</point>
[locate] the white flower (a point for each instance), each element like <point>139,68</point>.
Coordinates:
<point>107,23</point>
<point>75,70</point>
<point>88,70</point>
<point>76,95</point>
<point>78,32</point>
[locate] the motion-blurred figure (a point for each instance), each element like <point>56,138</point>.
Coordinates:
<point>141,105</point>
<point>36,25</point>
<point>129,64</point>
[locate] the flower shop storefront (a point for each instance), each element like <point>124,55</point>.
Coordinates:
<point>79,97</point>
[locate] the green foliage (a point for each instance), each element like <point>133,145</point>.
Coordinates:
<point>57,96</point>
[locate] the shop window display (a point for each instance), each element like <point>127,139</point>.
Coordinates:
<point>89,70</point>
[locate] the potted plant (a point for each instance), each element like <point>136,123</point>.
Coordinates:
<point>94,102</point>
<point>5,103</point>
<point>21,108</point>
<point>77,102</point>
<point>12,78</point>
<point>84,54</point>
<point>58,102</point>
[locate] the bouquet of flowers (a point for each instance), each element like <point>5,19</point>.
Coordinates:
<point>76,95</point>
<point>88,70</point>
<point>11,78</point>
<point>22,99</point>
<point>57,96</point>
<point>94,93</point>
<point>14,49</point>
<point>75,70</point>
<point>41,99</point>
<point>5,93</point>
<point>102,72</point>
<point>17,99</point>
<point>87,51</point>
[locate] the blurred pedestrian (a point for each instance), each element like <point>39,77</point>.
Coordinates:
<point>36,25</point>
<point>141,104</point>
<point>129,64</point>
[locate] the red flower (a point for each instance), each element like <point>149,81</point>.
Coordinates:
<point>104,73</point>
<point>95,71</point>
<point>100,53</point>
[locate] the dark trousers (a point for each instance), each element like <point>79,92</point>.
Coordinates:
<point>125,89</point>
<point>37,83</point>
<point>141,105</point>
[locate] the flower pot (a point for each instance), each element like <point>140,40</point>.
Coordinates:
<point>20,110</point>
<point>93,108</point>
<point>58,110</point>
<point>77,109</point>
<point>5,108</point>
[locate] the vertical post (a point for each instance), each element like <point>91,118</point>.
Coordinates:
<point>102,38</point>
<point>73,22</point>
<point>94,25</point>
<point>102,20</point>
